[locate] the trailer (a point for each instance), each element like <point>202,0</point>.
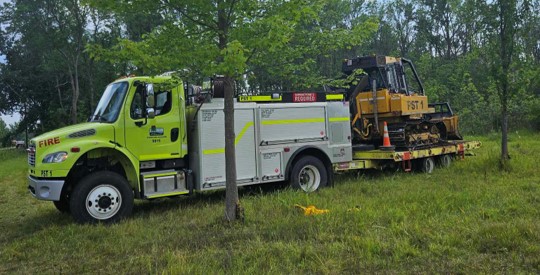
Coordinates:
<point>424,159</point>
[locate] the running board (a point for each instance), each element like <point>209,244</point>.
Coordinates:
<point>164,183</point>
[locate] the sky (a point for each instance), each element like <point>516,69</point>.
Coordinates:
<point>2,57</point>
<point>11,119</point>
<point>15,117</point>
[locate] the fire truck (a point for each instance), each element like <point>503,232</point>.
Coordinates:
<point>154,137</point>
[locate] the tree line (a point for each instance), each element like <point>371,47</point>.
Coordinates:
<point>481,56</point>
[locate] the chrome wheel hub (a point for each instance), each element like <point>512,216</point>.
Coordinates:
<point>103,202</point>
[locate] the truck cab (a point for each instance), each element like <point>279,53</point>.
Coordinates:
<point>139,124</point>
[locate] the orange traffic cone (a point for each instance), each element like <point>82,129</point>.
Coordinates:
<point>386,140</point>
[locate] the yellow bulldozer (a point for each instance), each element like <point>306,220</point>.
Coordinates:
<point>388,89</point>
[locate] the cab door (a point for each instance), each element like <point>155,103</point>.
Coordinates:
<point>158,137</point>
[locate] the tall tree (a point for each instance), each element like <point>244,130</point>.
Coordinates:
<point>401,15</point>
<point>507,23</point>
<point>233,38</point>
<point>44,73</point>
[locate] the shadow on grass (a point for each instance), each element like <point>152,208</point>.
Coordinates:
<point>23,226</point>
<point>201,199</point>
<point>371,174</point>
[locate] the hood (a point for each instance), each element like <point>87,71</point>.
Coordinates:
<point>70,132</point>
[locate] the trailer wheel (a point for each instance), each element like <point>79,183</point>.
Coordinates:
<point>101,197</point>
<point>445,161</point>
<point>308,174</point>
<point>427,165</point>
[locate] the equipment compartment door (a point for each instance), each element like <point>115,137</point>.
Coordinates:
<point>271,165</point>
<point>292,124</point>
<point>212,131</point>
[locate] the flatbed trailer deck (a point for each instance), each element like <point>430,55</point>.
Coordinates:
<point>378,159</point>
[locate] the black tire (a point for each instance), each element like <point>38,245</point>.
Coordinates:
<point>62,205</point>
<point>309,174</point>
<point>444,161</point>
<point>427,165</point>
<point>101,197</point>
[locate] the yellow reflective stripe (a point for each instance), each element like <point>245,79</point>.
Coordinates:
<point>236,141</point>
<point>242,132</point>
<point>159,175</point>
<point>251,98</point>
<point>214,151</point>
<point>334,97</point>
<point>337,119</point>
<point>154,157</point>
<point>292,121</point>
<point>168,194</point>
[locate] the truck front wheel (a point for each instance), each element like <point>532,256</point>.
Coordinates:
<point>101,197</point>
<point>308,174</point>
<point>62,205</point>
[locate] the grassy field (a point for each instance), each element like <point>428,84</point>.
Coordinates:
<point>469,218</point>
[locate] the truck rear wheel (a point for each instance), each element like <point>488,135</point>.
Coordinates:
<point>101,197</point>
<point>308,174</point>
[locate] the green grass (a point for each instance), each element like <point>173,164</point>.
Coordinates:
<point>470,218</point>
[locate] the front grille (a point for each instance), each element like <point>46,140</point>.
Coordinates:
<point>31,155</point>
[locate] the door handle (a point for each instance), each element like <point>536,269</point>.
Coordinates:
<point>174,134</point>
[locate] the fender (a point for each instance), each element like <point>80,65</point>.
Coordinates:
<point>99,148</point>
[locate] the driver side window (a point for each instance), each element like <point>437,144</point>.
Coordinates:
<point>137,105</point>
<point>163,102</point>
<point>162,106</point>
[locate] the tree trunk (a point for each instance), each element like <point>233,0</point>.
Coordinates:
<point>507,33</point>
<point>59,93</point>
<point>504,134</point>
<point>74,79</point>
<point>232,205</point>
<point>75,100</point>
<point>231,193</point>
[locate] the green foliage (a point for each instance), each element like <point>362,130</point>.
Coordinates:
<point>234,60</point>
<point>273,45</point>
<point>469,218</point>
<point>274,42</point>
<point>3,130</point>
<point>47,76</point>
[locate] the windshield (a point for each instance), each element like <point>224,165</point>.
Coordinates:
<point>110,103</point>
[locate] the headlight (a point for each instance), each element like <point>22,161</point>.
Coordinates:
<point>55,157</point>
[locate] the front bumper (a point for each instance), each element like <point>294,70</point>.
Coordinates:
<point>49,190</point>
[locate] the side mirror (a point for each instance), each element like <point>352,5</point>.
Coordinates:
<point>150,96</point>
<point>150,101</point>
<point>150,113</point>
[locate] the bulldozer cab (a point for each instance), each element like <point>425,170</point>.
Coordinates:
<point>388,72</point>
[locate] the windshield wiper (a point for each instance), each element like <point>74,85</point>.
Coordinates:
<point>97,118</point>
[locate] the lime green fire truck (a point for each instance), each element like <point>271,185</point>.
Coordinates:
<point>153,137</point>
